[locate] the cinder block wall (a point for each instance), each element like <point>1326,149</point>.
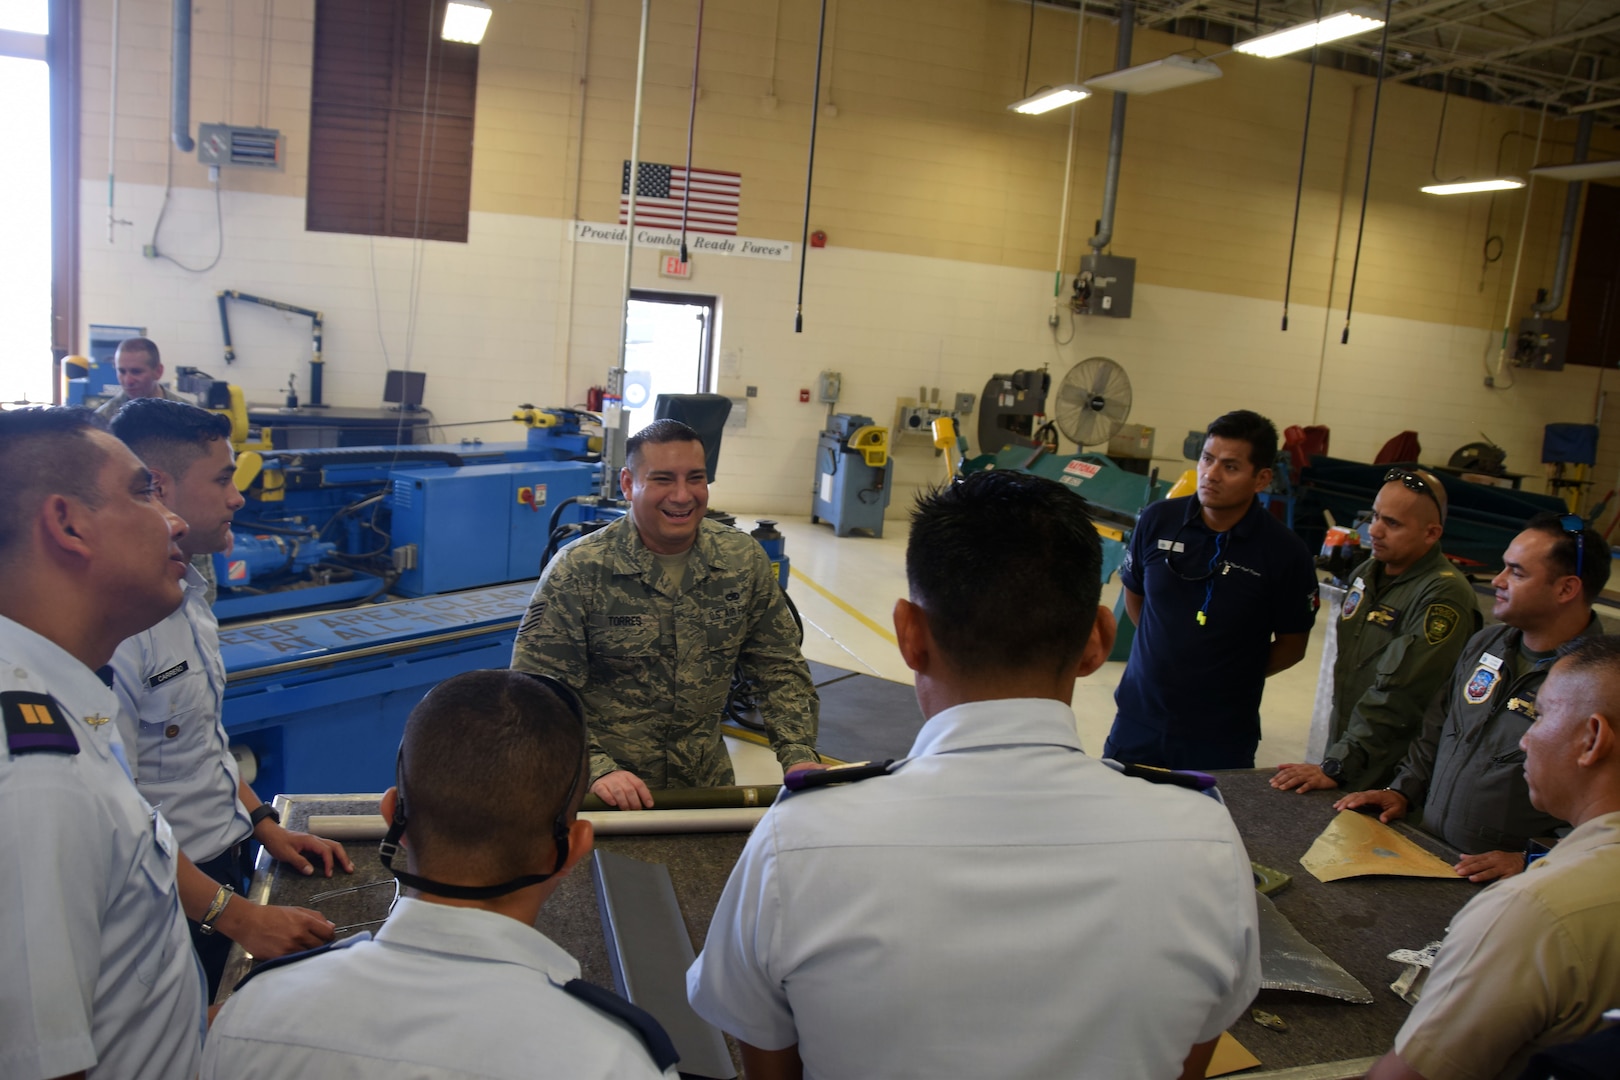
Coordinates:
<point>941,208</point>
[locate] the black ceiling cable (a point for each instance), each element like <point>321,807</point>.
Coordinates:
<point>1029,46</point>
<point>691,121</point>
<point>1299,185</point>
<point>1366,183</point>
<point>810,168</point>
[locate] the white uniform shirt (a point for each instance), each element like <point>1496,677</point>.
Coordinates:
<point>170,683</point>
<point>96,966</point>
<point>1001,905</point>
<point>442,993</point>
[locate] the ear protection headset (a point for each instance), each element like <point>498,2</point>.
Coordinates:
<point>388,850</point>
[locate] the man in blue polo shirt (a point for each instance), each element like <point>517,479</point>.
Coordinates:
<point>1223,595</point>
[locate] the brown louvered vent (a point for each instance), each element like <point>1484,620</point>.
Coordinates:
<point>390,123</point>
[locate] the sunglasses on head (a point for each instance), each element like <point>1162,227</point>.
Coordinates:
<point>1572,523</point>
<point>1413,482</point>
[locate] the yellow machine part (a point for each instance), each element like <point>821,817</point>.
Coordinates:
<point>1186,485</point>
<point>873,443</point>
<point>241,431</point>
<point>536,418</point>
<point>944,433</point>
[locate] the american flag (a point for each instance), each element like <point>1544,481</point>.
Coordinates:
<point>659,189</point>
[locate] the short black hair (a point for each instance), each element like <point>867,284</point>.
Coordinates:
<point>1252,428</point>
<point>488,760</point>
<point>140,344</point>
<point>44,452</point>
<point>1598,651</point>
<point>657,433</point>
<point>1568,553</point>
<point>1007,567</point>
<point>167,434</point>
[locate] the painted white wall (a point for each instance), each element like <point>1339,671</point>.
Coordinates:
<point>520,313</point>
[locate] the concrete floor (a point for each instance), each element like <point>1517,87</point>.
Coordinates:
<point>845,590</point>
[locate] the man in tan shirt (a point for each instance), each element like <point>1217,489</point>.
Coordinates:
<point>1534,960</point>
<point>139,369</point>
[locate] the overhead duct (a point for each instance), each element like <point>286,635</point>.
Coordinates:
<point>180,78</point>
<point>1116,132</point>
<point>1566,236</point>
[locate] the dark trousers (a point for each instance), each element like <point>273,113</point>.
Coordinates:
<point>213,949</point>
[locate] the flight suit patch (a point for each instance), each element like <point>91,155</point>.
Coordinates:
<point>1383,615</point>
<point>1439,621</point>
<point>1352,601</point>
<point>1480,684</point>
<point>35,724</point>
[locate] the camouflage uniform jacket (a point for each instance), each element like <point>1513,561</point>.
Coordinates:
<point>1399,638</point>
<point>653,662</point>
<point>109,408</point>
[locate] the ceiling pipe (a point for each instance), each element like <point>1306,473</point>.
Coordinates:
<point>180,78</point>
<point>1116,132</point>
<point>1566,236</point>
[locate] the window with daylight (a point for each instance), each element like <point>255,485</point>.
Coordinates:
<point>390,122</point>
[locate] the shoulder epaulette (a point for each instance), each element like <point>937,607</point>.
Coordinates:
<point>292,958</point>
<point>1187,778</point>
<point>653,1035</point>
<point>837,774</point>
<point>35,724</point>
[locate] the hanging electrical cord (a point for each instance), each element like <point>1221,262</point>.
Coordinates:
<point>1068,182</point>
<point>1029,46</point>
<point>1366,183</point>
<point>810,168</point>
<point>691,122</point>
<point>1299,185</point>
<point>1513,283</point>
<point>219,220</point>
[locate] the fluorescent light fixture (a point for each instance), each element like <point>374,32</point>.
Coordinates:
<point>465,21</point>
<point>1593,106</point>
<point>1465,187</point>
<point>1317,32</point>
<point>1585,170</point>
<point>1053,97</point>
<point>1156,75</point>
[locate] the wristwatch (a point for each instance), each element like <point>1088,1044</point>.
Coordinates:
<point>262,811</point>
<point>1332,767</point>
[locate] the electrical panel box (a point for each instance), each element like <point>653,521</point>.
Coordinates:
<point>1542,344</point>
<point>1104,286</point>
<point>229,145</point>
<point>919,419</point>
<point>829,384</point>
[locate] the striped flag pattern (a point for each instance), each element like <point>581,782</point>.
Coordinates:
<point>660,188</point>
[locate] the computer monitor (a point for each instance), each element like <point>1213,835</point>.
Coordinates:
<point>404,388</point>
<point>704,413</point>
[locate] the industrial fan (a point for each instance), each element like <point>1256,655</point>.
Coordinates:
<point>1093,401</point>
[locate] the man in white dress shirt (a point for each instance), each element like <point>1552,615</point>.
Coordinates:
<point>997,903</point>
<point>458,983</point>
<point>96,975</point>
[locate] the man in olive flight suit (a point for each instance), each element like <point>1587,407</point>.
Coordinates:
<point>1404,623</point>
<point>647,620</point>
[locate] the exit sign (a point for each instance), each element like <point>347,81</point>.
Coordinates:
<point>671,266</point>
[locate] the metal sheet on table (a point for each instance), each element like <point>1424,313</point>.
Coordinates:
<point>1289,962</point>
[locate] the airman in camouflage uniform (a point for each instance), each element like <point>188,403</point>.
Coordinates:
<point>1404,623</point>
<point>649,634</point>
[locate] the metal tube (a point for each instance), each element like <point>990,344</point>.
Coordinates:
<point>1116,132</point>
<point>1518,256</point>
<point>1566,235</point>
<point>1068,170</point>
<point>1299,185</point>
<point>180,78</point>
<point>615,387</point>
<point>112,127</point>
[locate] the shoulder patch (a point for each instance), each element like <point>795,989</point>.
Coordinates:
<point>653,1035</point>
<point>1439,622</point>
<point>292,958</point>
<point>1352,601</point>
<point>35,724</point>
